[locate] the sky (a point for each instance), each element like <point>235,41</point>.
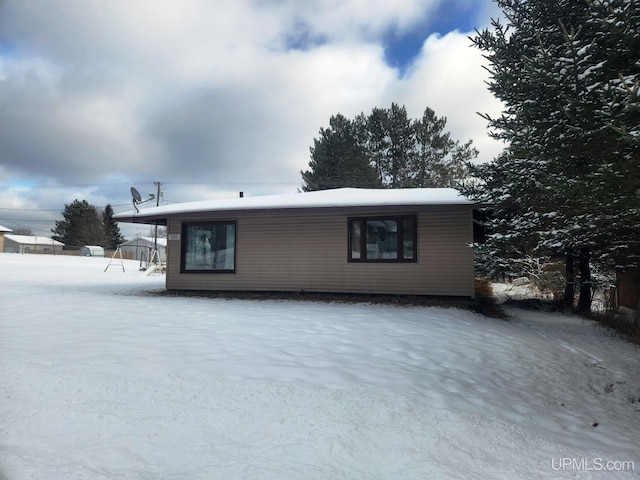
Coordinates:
<point>211,98</point>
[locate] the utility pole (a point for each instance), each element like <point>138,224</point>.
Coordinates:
<point>155,240</point>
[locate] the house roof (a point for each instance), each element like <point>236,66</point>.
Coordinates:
<point>5,229</point>
<point>337,198</point>
<point>146,240</point>
<point>33,240</point>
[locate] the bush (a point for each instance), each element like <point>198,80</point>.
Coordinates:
<point>483,289</point>
<point>485,302</point>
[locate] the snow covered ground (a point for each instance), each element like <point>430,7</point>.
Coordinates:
<point>100,381</point>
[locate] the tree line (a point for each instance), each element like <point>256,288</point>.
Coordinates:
<point>386,149</point>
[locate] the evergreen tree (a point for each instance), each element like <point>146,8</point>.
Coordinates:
<point>338,160</point>
<point>390,139</point>
<point>437,160</point>
<point>111,229</point>
<point>82,225</point>
<point>568,76</point>
<point>387,149</point>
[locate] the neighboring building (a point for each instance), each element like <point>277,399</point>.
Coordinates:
<point>141,248</point>
<point>31,244</point>
<point>402,241</point>
<point>91,251</point>
<point>3,230</point>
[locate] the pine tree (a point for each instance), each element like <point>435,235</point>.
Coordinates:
<point>567,74</point>
<point>111,229</point>
<point>387,149</point>
<point>338,160</point>
<point>437,160</point>
<point>390,139</point>
<point>82,225</point>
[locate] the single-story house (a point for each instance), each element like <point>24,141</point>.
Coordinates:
<point>31,244</point>
<point>348,240</point>
<point>91,251</point>
<point>141,248</point>
<point>3,230</point>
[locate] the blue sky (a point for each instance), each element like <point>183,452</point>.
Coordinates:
<point>211,98</point>
<point>401,48</point>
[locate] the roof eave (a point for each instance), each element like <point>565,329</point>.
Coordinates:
<point>151,218</point>
<point>143,219</point>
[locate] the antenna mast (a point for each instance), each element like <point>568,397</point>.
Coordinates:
<point>155,240</point>
<point>137,200</point>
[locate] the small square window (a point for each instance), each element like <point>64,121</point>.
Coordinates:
<point>382,239</point>
<point>209,247</point>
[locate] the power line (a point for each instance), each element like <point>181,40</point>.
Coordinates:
<point>21,225</point>
<point>30,209</point>
<point>42,220</point>
<point>121,184</point>
<point>52,209</point>
<point>79,185</point>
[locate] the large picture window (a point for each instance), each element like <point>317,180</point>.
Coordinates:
<point>382,239</point>
<point>209,247</point>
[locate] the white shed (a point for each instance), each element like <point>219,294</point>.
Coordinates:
<point>92,251</point>
<point>141,248</point>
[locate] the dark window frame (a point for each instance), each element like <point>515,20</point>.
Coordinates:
<point>399,219</point>
<point>184,244</point>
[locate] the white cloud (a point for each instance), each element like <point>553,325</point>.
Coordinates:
<point>448,77</point>
<point>341,20</point>
<point>228,95</point>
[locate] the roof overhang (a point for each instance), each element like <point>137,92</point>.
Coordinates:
<point>336,200</point>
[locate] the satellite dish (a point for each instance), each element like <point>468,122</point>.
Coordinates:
<point>136,195</point>
<point>137,198</point>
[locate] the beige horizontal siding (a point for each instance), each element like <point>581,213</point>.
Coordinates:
<point>308,252</point>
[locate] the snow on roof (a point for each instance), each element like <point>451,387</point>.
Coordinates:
<point>33,240</point>
<point>5,229</point>
<point>161,240</point>
<point>341,197</point>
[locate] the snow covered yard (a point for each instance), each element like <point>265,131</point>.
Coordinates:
<point>99,381</point>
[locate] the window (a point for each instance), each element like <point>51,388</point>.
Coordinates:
<point>209,247</point>
<point>382,239</point>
